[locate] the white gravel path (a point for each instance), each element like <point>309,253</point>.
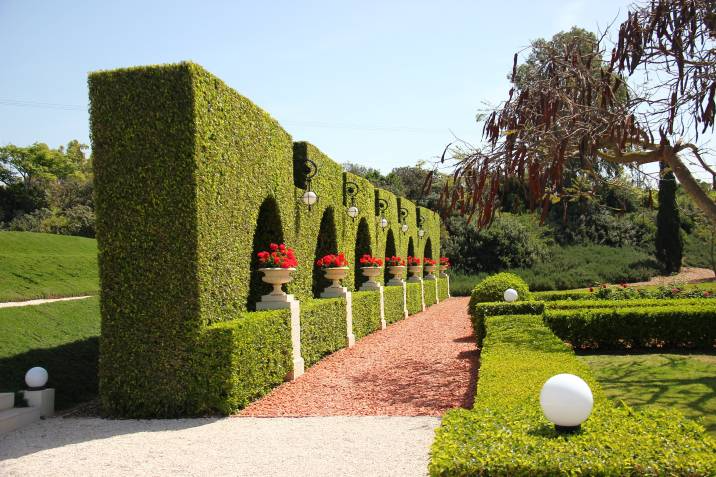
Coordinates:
<point>309,446</point>
<point>40,301</point>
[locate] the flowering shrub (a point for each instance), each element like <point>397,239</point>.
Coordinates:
<point>413,261</point>
<point>332,261</point>
<point>370,261</point>
<point>278,256</point>
<point>429,261</point>
<point>444,261</point>
<point>394,261</point>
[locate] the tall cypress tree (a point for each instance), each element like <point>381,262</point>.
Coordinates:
<point>669,244</point>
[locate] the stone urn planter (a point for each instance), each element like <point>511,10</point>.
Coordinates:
<point>397,272</point>
<point>415,272</point>
<point>277,277</point>
<point>370,273</point>
<point>443,269</point>
<point>429,270</point>
<point>335,274</point>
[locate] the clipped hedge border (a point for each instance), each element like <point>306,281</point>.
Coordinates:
<point>366,313</point>
<point>443,290</point>
<point>679,326</point>
<point>506,434</point>
<point>323,328</point>
<point>393,304</point>
<point>430,292</point>
<point>414,299</point>
<point>240,360</point>
<point>633,303</point>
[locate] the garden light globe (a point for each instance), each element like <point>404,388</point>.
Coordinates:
<point>384,223</point>
<point>309,197</point>
<point>36,377</point>
<point>353,212</point>
<point>510,295</point>
<point>566,401</point>
<point>404,228</point>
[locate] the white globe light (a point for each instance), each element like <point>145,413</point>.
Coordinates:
<point>421,232</point>
<point>404,228</point>
<point>384,222</point>
<point>566,400</point>
<point>510,295</point>
<point>309,197</point>
<point>353,212</point>
<point>36,377</point>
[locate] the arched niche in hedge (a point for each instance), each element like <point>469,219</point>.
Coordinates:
<point>390,250</point>
<point>363,246</point>
<point>268,230</point>
<point>411,248</point>
<point>428,250</point>
<point>326,243</point>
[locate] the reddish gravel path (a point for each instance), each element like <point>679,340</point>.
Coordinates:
<point>420,366</point>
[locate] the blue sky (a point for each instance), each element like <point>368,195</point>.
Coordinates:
<point>382,84</point>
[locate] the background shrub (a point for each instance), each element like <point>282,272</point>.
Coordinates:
<point>493,288</point>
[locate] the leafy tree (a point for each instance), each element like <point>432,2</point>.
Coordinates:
<point>582,103</point>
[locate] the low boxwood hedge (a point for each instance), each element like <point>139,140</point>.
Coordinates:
<point>323,328</point>
<point>431,294</point>
<point>414,298</point>
<point>366,313</point>
<point>239,361</point>
<point>682,326</point>
<point>443,289</point>
<point>645,302</point>
<point>393,303</point>
<point>506,434</point>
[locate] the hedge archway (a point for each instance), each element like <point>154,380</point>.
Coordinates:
<point>389,252</point>
<point>325,243</point>
<point>268,230</point>
<point>362,247</point>
<point>411,248</point>
<point>428,251</point>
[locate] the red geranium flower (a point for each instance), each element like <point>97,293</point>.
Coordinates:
<point>280,256</point>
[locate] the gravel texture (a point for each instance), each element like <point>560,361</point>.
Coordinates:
<point>317,446</point>
<point>420,366</point>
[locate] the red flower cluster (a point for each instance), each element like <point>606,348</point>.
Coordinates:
<point>394,261</point>
<point>369,261</point>
<point>279,256</point>
<point>428,261</point>
<point>413,261</point>
<point>332,261</point>
<point>444,261</point>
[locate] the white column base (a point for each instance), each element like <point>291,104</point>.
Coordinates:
<point>351,337</point>
<point>43,399</point>
<point>422,294</point>
<point>395,282</point>
<point>405,300</point>
<point>288,301</point>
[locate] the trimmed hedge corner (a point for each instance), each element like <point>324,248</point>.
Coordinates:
<point>240,360</point>
<point>323,328</point>
<point>414,298</point>
<point>393,297</point>
<point>430,293</point>
<point>366,313</point>
<point>507,434</point>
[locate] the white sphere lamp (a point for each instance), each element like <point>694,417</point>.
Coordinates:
<point>309,198</point>
<point>383,222</point>
<point>510,295</point>
<point>404,228</point>
<point>421,233</point>
<point>352,211</point>
<point>566,401</point>
<point>36,377</point>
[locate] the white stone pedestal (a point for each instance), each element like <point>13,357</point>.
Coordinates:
<point>43,399</point>
<point>334,292</point>
<point>342,292</point>
<point>405,300</point>
<point>278,302</point>
<point>367,286</point>
<point>394,282</point>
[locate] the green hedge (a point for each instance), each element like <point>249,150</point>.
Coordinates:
<point>185,168</point>
<point>443,288</point>
<point>644,327</point>
<point>393,304</point>
<point>239,361</point>
<point>323,328</point>
<point>562,295</point>
<point>61,337</point>
<point>413,298</point>
<point>506,434</point>
<point>430,292</point>
<point>478,312</point>
<point>646,303</point>
<point>366,313</point>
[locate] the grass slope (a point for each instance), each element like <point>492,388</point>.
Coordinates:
<point>62,338</point>
<point>34,265</point>
<point>678,381</point>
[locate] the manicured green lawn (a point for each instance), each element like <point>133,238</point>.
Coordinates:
<point>34,265</point>
<point>62,338</point>
<point>686,382</point>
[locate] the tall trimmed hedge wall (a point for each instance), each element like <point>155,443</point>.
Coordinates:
<point>184,165</point>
